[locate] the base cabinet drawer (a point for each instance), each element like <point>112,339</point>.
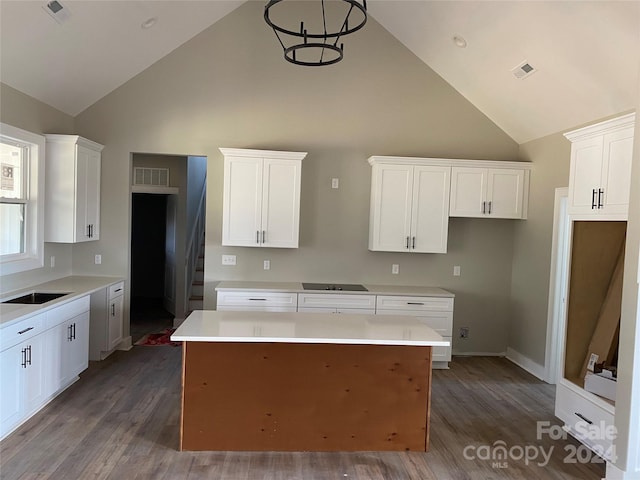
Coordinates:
<point>587,419</point>
<point>411,303</point>
<point>337,301</point>
<point>256,300</point>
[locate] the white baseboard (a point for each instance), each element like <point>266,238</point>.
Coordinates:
<point>478,354</point>
<point>125,344</point>
<point>526,363</point>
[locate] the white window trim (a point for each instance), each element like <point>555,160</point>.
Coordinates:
<point>33,257</point>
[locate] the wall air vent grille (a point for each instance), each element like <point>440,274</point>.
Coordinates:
<point>523,70</point>
<point>152,177</point>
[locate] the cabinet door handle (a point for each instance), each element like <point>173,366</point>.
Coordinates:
<point>414,242</point>
<point>28,355</point>
<point>583,418</point>
<point>258,236</point>
<point>69,333</point>
<point>73,331</point>
<point>263,235</point>
<point>484,207</point>
<point>88,231</point>
<point>489,212</point>
<point>24,358</point>
<point>113,309</point>
<point>600,194</point>
<point>593,199</point>
<point>25,330</point>
<point>407,242</point>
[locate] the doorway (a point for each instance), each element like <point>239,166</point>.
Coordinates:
<point>149,234</point>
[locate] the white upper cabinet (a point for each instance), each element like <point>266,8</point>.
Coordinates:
<point>600,173</point>
<point>261,201</point>
<point>72,189</point>
<point>409,209</point>
<point>489,192</point>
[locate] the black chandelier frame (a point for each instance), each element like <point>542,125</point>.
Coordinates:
<point>329,39</point>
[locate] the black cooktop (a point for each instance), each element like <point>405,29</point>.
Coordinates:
<point>347,287</point>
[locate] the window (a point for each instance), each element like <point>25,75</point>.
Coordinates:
<point>21,200</point>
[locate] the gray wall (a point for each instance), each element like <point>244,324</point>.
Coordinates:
<point>230,87</point>
<point>25,112</point>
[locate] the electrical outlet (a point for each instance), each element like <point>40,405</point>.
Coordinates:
<point>267,264</point>
<point>228,259</point>
<point>335,183</point>
<point>464,332</point>
<point>98,259</point>
<point>395,269</point>
<point>52,261</point>
<point>456,270</point>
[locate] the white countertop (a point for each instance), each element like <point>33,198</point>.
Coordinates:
<point>77,286</point>
<point>298,327</point>
<point>296,287</point>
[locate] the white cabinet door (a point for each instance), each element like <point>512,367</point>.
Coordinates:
<point>430,209</point>
<point>505,193</point>
<point>488,192</point>
<point>76,355</point>
<point>468,192</point>
<point>409,208</point>
<point>68,352</point>
<point>280,203</point>
<point>391,198</point>
<point>115,316</point>
<point>34,373</point>
<point>584,175</point>
<point>72,209</point>
<point>261,200</point>
<point>11,407</point>
<point>242,201</point>
<point>616,172</point>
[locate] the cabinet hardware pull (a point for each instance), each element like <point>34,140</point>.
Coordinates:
<point>25,330</point>
<point>600,194</point>
<point>118,290</point>
<point>113,309</point>
<point>260,299</point>
<point>414,243</point>
<point>69,333</point>
<point>583,418</point>
<point>489,212</point>
<point>407,242</point>
<point>263,236</point>
<point>257,236</point>
<point>484,207</point>
<point>74,331</point>
<point>24,358</point>
<point>593,199</point>
<point>88,231</point>
<point>29,355</point>
<point>415,303</point>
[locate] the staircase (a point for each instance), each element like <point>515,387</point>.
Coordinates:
<point>196,298</point>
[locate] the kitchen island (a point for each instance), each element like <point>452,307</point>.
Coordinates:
<point>292,381</point>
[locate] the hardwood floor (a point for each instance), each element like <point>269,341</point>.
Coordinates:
<point>121,421</point>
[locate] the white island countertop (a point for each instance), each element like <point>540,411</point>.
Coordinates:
<point>298,327</point>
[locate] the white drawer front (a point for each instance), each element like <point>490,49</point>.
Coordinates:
<point>21,331</point>
<point>336,300</point>
<point>437,304</point>
<point>57,315</point>
<point>440,322</point>
<point>588,422</point>
<point>257,300</point>
<point>116,290</point>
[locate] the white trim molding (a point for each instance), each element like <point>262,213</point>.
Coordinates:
<point>526,363</point>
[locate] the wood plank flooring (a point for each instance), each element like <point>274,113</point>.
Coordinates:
<point>121,421</point>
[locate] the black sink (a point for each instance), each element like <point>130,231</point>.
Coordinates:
<point>36,298</point>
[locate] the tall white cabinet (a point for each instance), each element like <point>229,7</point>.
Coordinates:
<point>600,169</point>
<point>72,209</point>
<point>409,206</point>
<point>261,199</point>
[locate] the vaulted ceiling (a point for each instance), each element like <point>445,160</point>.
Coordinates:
<point>586,54</point>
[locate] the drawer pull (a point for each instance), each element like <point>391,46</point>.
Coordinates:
<point>583,418</point>
<point>25,330</point>
<point>256,299</point>
<point>415,303</point>
<point>118,290</point>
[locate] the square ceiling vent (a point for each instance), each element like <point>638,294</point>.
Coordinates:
<point>524,70</point>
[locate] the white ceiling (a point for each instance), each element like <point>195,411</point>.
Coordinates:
<point>587,54</point>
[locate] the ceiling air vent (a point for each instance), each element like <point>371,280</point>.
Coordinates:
<point>152,177</point>
<point>57,11</point>
<point>523,70</point>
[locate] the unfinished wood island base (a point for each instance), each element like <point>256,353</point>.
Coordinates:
<point>258,381</point>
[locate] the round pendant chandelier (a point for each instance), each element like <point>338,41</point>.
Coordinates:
<point>317,41</point>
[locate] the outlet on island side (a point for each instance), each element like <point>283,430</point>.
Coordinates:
<point>395,269</point>
<point>464,332</point>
